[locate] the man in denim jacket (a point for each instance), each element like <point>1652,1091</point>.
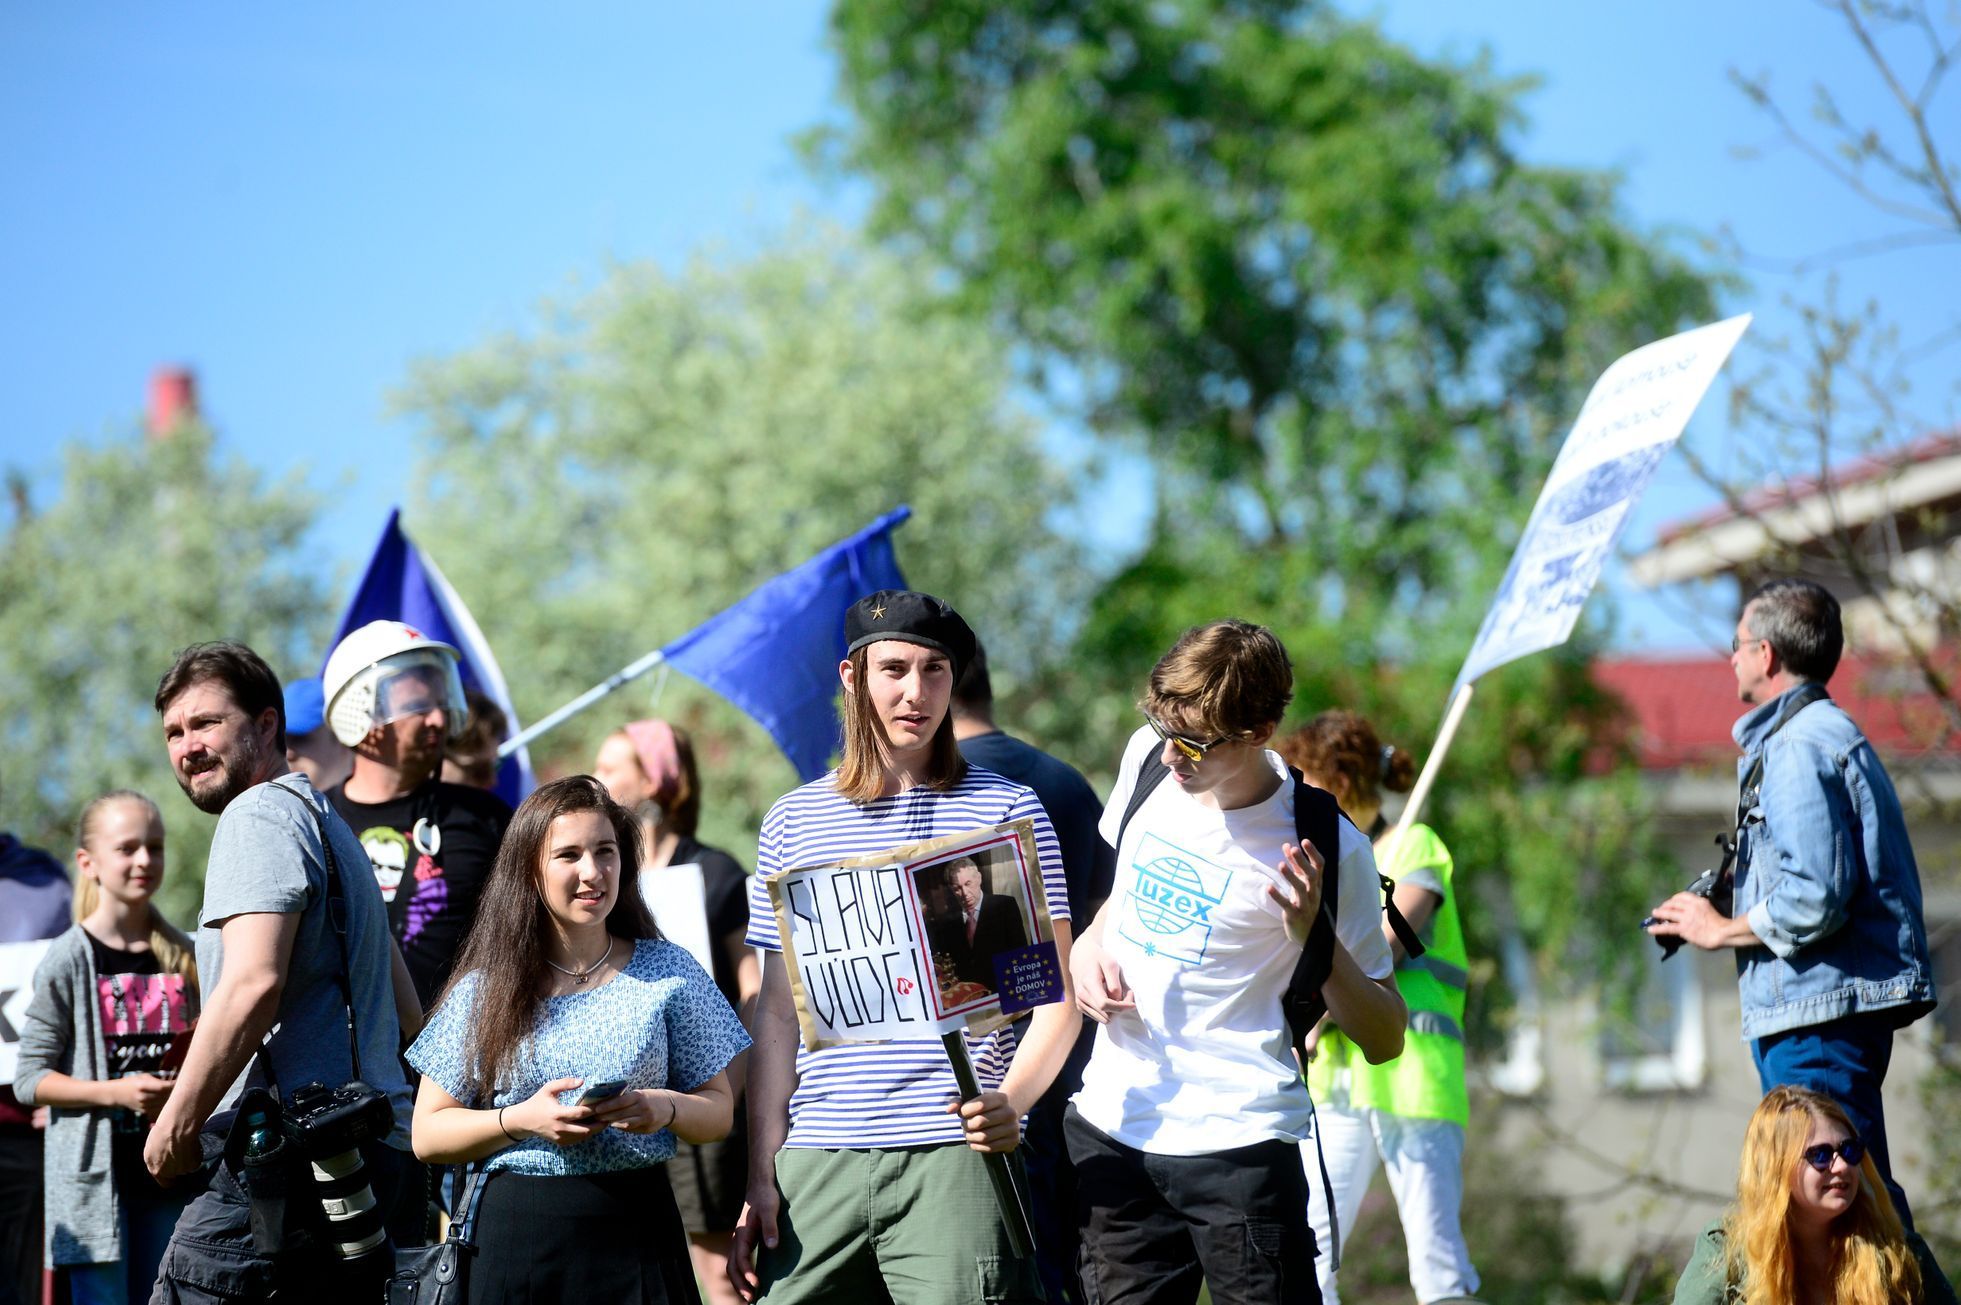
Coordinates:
<point>1831,949</point>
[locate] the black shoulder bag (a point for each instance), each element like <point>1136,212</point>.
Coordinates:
<point>1317,821</point>
<point>440,1274</point>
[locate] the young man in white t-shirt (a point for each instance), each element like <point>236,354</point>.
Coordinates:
<point>1185,1131</point>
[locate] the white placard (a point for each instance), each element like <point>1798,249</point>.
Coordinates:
<point>18,961</point>
<point>920,940</point>
<point>679,901</point>
<point>1632,417</point>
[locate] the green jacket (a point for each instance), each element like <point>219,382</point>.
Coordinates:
<point>1704,1281</point>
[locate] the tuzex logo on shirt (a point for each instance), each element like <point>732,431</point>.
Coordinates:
<point>1171,900</point>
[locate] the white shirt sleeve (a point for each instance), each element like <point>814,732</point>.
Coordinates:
<point>1358,919</point>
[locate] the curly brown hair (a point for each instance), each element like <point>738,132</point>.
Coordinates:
<point>1339,751</point>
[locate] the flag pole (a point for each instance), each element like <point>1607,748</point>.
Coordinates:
<point>618,679</point>
<point>1453,717</point>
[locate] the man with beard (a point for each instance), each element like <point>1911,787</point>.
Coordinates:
<point>395,698</point>
<point>295,992</point>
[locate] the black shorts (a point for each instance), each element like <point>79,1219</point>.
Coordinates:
<point>212,1258</point>
<point>1153,1226</point>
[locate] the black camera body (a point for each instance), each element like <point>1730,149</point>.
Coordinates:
<point>1714,887</point>
<point>326,1121</point>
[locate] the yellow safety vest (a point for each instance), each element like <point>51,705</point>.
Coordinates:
<point>1427,1080</point>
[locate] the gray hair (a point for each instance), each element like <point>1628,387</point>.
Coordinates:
<point>1800,619</point>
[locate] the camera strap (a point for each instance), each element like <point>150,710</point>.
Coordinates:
<point>337,920</point>
<point>1748,791</point>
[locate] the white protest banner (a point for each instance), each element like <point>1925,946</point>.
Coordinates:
<point>1632,417</point>
<point>18,961</point>
<point>918,940</point>
<point>676,896</point>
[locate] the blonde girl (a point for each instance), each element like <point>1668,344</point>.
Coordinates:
<point>114,1000</point>
<point>1812,1221</point>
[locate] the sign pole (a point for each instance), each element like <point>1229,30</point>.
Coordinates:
<point>1007,1193</point>
<point>1434,762</point>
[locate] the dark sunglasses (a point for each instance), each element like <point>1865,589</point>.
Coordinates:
<point>1819,1157</point>
<point>1192,748</point>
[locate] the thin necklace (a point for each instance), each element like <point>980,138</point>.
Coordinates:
<point>580,976</point>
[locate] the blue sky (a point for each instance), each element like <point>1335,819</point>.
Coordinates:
<point>300,201</point>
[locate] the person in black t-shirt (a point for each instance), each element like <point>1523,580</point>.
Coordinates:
<point>649,768</point>
<point>1089,864</point>
<point>393,696</point>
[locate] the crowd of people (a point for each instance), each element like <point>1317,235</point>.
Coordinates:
<point>565,1036</point>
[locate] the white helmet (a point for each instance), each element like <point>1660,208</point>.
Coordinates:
<point>365,672</point>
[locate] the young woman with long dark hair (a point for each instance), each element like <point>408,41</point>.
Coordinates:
<point>565,987</point>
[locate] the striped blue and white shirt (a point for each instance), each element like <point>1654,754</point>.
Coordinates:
<point>878,1094</point>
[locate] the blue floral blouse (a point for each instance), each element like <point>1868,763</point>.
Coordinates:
<point>660,1023</point>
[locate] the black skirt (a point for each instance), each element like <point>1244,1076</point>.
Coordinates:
<point>594,1237</point>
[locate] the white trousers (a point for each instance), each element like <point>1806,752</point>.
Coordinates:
<point>1425,1162</point>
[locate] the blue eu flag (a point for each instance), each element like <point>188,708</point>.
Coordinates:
<point>775,653</point>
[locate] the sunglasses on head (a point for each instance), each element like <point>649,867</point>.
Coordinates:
<point>1191,748</point>
<point>1819,1157</point>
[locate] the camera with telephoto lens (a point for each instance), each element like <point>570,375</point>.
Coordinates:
<point>328,1126</point>
<point>1714,887</point>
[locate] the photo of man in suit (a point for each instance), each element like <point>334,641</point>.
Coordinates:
<point>982,924</point>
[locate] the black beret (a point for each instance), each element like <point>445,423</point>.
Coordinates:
<point>911,618</point>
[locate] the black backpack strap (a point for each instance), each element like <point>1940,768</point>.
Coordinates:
<point>1150,773</point>
<point>1317,822</point>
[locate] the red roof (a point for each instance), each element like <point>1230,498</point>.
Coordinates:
<point>1858,471</point>
<point>1682,708</point>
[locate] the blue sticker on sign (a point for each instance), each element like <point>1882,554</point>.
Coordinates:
<point>1027,977</point>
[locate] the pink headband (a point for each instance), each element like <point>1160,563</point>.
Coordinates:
<point>660,757</point>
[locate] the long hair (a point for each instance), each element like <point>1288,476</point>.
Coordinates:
<point>169,944</point>
<point>506,945</point>
<point>1340,751</point>
<point>1871,1263</point>
<point>861,774</point>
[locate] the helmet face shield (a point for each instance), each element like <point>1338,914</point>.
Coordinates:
<point>412,683</point>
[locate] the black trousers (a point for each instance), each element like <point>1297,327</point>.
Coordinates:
<point>20,1214</point>
<point>1154,1226</point>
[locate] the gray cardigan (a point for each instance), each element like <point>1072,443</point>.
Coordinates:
<point>63,1033</point>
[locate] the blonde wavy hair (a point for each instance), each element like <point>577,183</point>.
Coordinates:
<point>1871,1262</point>
<point>169,944</point>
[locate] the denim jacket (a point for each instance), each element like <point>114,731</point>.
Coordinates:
<point>1826,877</point>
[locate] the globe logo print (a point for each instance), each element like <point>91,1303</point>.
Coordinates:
<point>1171,897</point>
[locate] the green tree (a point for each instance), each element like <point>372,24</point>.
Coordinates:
<point>1305,269</point>
<point>152,544</point>
<point>651,452</point>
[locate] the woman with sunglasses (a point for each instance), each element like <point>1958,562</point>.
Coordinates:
<point>571,1050</point>
<point>1812,1221</point>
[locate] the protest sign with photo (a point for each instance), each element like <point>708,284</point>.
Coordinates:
<point>919,940</point>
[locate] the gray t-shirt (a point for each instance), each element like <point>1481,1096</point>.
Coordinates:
<point>266,857</point>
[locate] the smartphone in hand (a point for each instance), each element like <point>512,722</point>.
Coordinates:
<point>597,1092</point>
